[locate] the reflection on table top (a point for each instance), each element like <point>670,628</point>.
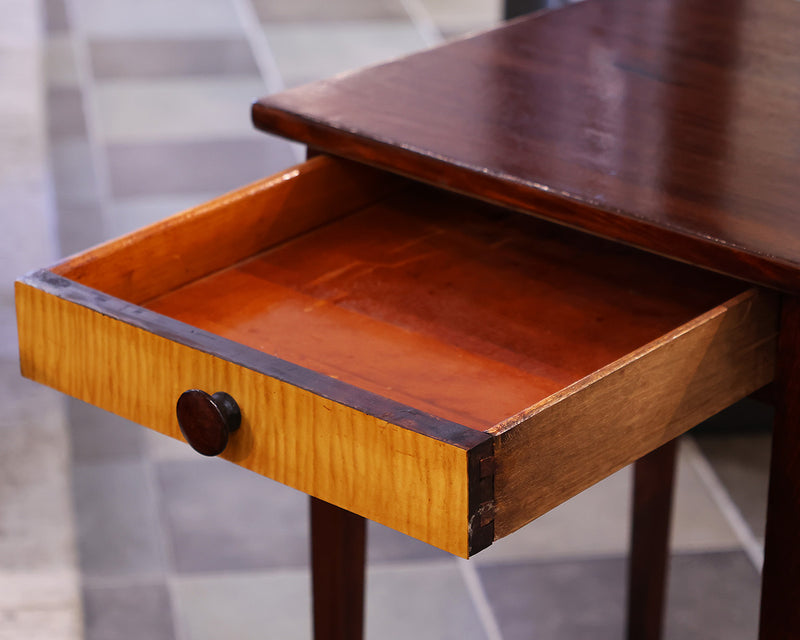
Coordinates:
<point>672,125</point>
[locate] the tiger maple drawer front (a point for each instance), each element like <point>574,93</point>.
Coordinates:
<point>444,367</point>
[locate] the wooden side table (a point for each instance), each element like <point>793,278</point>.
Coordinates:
<point>402,340</point>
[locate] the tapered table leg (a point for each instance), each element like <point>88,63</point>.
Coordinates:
<point>780,591</point>
<point>338,540</point>
<point>647,572</point>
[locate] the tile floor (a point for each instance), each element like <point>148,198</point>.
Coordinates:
<point>140,109</point>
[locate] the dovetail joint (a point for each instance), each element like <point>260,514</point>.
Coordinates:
<point>486,512</point>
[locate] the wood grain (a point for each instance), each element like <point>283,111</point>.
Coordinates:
<point>669,124</point>
<point>411,482</point>
<point>199,241</point>
<point>462,310</point>
<point>591,429</point>
<point>780,615</point>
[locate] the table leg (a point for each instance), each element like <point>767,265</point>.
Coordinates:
<point>647,572</point>
<point>780,591</point>
<point>338,540</point>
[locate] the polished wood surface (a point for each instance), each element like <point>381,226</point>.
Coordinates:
<point>461,310</point>
<point>670,124</point>
<point>651,511</point>
<point>780,613</point>
<point>619,413</point>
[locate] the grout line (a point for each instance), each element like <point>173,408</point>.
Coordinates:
<point>80,48</point>
<point>423,22</point>
<point>118,580</point>
<point>478,595</point>
<point>752,547</point>
<point>254,34</point>
<point>167,554</point>
<point>265,59</point>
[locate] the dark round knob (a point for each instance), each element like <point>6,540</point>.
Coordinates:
<point>206,421</point>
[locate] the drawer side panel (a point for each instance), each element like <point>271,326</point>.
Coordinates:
<point>604,422</point>
<point>194,243</point>
<point>393,475</point>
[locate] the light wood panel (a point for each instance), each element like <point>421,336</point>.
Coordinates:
<point>223,231</point>
<point>387,473</point>
<point>584,433</point>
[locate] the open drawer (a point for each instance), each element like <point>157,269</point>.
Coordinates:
<point>447,368</point>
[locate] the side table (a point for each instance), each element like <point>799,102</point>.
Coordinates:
<point>404,341</point>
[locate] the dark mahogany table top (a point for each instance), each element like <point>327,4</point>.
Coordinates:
<point>673,125</point>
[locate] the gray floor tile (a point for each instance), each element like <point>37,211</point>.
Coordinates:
<point>74,177</point>
<point>244,606</point>
<point>36,534</point>
<point>162,448</point>
<point>741,461</point>
<point>36,591</point>
<point>47,623</point>
<point>158,58</point>
<point>80,227</point>
<point>25,402</point>
<point>313,51</point>
<point>55,16</point>
<point>314,11</point>
<point>65,115</point>
<point>224,518</point>
<point>98,436</point>
<point>128,612</point>
<point>195,166</point>
<point>260,524</point>
<point>59,62</point>
<point>460,17</point>
<point>100,18</point>
<point>118,528</point>
<point>426,601</point>
<point>130,111</point>
<point>558,600</point>
<point>737,443</point>
<point>387,545</point>
<point>711,596</point>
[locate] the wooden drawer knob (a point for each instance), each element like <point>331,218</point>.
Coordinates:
<point>206,421</point>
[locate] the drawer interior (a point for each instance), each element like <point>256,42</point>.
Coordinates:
<point>459,309</point>
<point>448,368</point>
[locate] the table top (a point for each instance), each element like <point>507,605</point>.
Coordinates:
<point>670,124</point>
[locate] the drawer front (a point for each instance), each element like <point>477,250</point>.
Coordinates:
<point>387,472</point>
<point>83,331</point>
